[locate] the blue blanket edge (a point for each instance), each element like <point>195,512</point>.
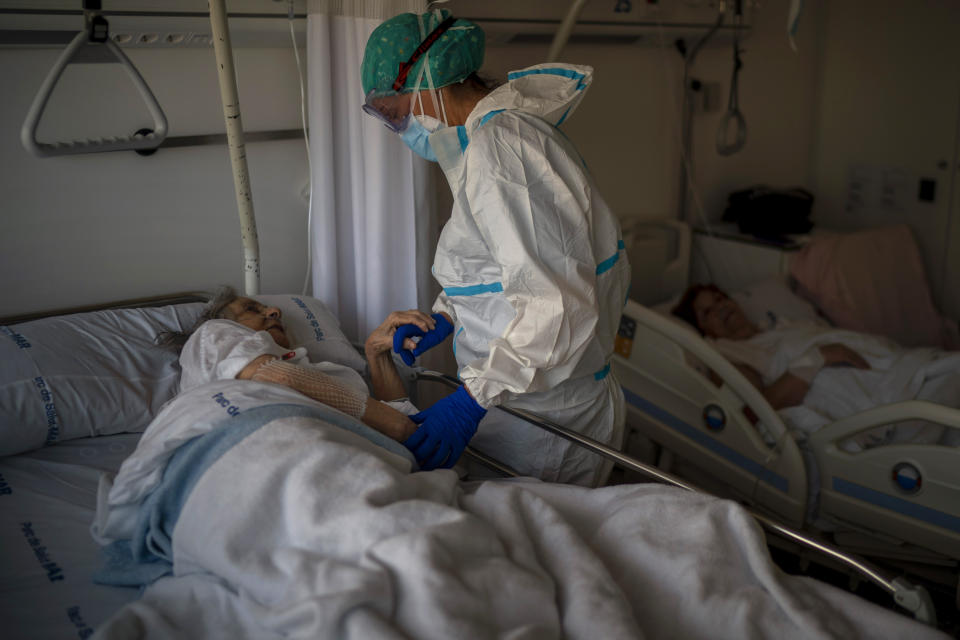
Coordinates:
<point>148,555</point>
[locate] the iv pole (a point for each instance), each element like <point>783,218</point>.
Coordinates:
<point>238,152</point>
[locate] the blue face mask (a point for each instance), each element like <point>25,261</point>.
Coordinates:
<point>417,134</point>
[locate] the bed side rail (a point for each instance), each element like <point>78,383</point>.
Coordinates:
<point>911,491</point>
<point>687,340</point>
<point>708,415</point>
<point>887,414</point>
<point>914,598</point>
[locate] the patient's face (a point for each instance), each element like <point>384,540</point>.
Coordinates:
<point>259,317</point>
<point>720,317</point>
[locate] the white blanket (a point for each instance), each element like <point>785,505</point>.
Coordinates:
<point>305,529</point>
<point>896,374</point>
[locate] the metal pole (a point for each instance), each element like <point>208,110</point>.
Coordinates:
<point>566,27</point>
<point>238,152</point>
<point>914,598</point>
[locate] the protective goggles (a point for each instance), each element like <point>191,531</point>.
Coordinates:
<point>392,107</point>
<point>393,111</point>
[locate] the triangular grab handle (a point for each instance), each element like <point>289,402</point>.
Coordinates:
<point>75,53</point>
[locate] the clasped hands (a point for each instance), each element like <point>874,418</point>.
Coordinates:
<point>445,428</point>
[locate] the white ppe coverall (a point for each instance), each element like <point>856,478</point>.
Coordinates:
<point>534,275</point>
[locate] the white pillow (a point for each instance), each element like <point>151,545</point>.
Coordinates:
<point>86,374</point>
<point>310,324</point>
<point>767,300</point>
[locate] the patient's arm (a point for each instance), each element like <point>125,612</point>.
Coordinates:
<point>840,355</point>
<point>786,391</point>
<point>331,392</point>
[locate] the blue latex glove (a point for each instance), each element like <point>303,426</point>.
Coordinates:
<point>428,340</point>
<point>445,429</point>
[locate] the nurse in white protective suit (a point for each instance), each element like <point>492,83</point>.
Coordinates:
<point>531,262</point>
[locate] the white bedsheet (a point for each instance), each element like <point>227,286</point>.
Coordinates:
<point>47,500</point>
<point>896,374</point>
<point>304,529</point>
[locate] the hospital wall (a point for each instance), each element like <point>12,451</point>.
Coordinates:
<point>866,91</point>
<point>888,123</point>
<point>864,114</point>
<point>83,229</point>
<point>98,227</point>
<point>628,125</point>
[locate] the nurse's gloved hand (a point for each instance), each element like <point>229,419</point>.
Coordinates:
<point>445,429</point>
<point>403,332</point>
<point>429,339</point>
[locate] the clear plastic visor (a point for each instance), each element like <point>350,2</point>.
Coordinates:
<point>392,110</point>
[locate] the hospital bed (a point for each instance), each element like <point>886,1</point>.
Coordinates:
<point>900,502</point>
<point>97,381</point>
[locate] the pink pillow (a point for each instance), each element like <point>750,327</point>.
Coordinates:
<point>873,281</point>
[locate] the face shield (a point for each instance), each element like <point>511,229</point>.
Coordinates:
<point>393,107</point>
<point>393,111</point>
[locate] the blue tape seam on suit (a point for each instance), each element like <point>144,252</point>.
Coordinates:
<point>566,73</point>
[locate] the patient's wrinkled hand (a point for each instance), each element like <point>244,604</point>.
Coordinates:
<point>840,355</point>
<point>381,339</point>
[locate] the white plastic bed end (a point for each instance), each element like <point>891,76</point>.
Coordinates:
<point>916,600</point>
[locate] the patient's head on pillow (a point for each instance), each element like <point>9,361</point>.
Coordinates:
<point>291,320</point>
<point>259,317</point>
<point>713,313</point>
<point>227,305</point>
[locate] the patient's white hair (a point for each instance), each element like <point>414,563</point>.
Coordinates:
<point>216,308</point>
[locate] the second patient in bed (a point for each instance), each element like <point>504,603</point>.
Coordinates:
<point>720,318</point>
<point>238,337</point>
<point>816,374</point>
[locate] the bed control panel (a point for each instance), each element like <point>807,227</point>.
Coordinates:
<point>623,343</point>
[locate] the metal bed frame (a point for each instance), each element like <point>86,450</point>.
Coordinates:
<point>913,598</point>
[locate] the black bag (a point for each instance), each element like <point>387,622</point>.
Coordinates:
<point>770,213</point>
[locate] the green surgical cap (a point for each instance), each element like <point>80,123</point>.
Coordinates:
<point>457,54</point>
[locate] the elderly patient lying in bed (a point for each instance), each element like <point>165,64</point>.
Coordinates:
<point>240,338</point>
<point>825,373</point>
<point>250,510</point>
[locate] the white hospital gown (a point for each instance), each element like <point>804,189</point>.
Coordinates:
<point>220,349</point>
<point>896,374</point>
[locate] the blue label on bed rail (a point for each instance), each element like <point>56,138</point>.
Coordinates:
<point>83,629</point>
<point>54,572</point>
<point>312,319</point>
<point>49,409</point>
<point>20,341</point>
<point>5,489</point>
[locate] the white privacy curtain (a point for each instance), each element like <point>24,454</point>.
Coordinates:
<point>367,186</point>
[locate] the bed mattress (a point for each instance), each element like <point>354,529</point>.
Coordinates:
<point>48,498</point>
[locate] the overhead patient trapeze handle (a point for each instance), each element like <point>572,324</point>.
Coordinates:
<point>87,47</point>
